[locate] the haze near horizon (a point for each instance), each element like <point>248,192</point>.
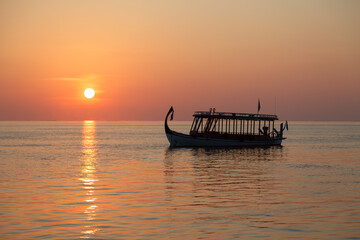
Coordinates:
<point>141,57</point>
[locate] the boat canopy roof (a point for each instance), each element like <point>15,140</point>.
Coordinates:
<point>230,115</point>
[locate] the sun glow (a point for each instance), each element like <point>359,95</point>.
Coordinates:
<point>89,93</point>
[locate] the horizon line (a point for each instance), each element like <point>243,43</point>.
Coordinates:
<point>160,120</point>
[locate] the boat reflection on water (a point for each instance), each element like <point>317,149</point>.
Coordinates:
<point>217,177</point>
<point>88,177</point>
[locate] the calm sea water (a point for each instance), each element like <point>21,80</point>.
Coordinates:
<point>119,180</point>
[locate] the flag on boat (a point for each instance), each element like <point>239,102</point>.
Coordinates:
<point>259,106</point>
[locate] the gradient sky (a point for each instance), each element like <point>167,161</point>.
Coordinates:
<point>141,57</point>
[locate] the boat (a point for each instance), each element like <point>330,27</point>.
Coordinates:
<point>227,129</point>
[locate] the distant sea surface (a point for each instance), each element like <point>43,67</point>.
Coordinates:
<point>119,180</point>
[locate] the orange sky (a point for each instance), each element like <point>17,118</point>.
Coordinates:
<point>141,57</point>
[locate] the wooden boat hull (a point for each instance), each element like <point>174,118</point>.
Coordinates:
<point>182,140</point>
<point>177,139</point>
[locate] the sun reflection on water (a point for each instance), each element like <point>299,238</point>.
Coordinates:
<point>88,177</point>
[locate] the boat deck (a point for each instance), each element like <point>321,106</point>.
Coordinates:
<point>230,115</point>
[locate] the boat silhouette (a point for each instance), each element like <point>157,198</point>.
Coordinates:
<point>227,129</point>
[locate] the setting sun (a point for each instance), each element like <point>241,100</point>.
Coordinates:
<point>89,93</point>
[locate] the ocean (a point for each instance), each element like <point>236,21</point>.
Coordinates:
<point>119,180</point>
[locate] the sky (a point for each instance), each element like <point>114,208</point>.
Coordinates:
<point>300,58</point>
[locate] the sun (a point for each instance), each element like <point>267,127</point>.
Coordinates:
<point>89,93</point>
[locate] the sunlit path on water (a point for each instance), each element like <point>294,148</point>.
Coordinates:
<point>88,177</point>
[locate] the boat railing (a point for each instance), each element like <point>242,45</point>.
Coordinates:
<point>228,114</point>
